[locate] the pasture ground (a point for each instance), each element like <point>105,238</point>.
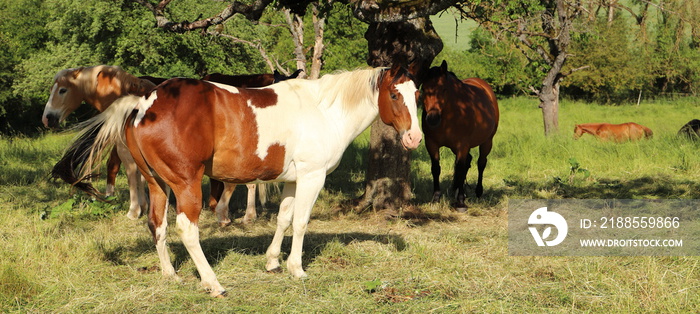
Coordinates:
<point>62,252</point>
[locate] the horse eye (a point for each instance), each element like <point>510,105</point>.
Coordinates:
<point>62,90</point>
<point>394,96</point>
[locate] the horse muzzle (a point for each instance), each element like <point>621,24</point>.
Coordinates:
<point>411,139</point>
<point>433,118</point>
<point>50,120</point>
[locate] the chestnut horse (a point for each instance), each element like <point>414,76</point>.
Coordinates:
<point>623,132</point>
<point>459,115</point>
<point>98,86</point>
<point>294,132</point>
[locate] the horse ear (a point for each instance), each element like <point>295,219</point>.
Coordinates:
<point>443,66</point>
<point>76,72</point>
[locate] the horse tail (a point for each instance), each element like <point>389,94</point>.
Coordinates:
<point>101,132</point>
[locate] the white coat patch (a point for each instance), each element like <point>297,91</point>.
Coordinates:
<point>143,105</point>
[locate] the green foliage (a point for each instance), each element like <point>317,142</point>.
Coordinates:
<point>617,69</point>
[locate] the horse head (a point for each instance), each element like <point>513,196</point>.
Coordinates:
<point>397,105</point>
<point>65,97</point>
<point>98,86</point>
<point>578,131</point>
<point>434,93</point>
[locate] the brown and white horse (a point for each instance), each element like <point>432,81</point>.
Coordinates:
<point>294,132</point>
<point>221,193</point>
<point>99,86</point>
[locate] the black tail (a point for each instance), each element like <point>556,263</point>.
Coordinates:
<point>71,164</point>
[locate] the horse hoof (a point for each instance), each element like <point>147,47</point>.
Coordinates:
<point>462,208</point>
<point>276,270</point>
<point>436,197</point>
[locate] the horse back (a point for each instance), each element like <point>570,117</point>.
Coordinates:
<point>195,122</point>
<point>480,95</point>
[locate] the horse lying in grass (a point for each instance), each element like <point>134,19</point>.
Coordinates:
<point>294,132</point>
<point>690,130</point>
<point>618,133</point>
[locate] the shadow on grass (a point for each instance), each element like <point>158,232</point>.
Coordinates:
<point>217,248</point>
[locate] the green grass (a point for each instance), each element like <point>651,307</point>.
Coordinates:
<point>434,261</point>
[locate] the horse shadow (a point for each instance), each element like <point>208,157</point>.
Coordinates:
<point>218,248</point>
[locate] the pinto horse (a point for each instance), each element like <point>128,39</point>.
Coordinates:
<point>294,132</point>
<point>221,193</point>
<point>98,86</point>
<point>623,132</point>
<point>459,115</point>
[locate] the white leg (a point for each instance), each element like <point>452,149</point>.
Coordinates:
<point>189,233</point>
<point>158,223</point>
<point>222,206</point>
<point>308,188</point>
<point>250,214</point>
<point>284,219</point>
<point>137,194</point>
<point>109,190</point>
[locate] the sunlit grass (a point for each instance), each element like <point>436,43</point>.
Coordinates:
<point>435,261</point>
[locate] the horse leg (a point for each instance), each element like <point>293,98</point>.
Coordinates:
<point>113,163</point>
<point>137,194</point>
<point>189,198</point>
<point>308,188</point>
<point>284,219</point>
<point>158,224</point>
<point>216,189</point>
<point>484,150</point>
<point>462,164</point>
<point>434,153</point>
<point>250,214</point>
<point>221,208</point>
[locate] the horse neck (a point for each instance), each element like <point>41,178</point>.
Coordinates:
<point>351,119</point>
<point>87,84</point>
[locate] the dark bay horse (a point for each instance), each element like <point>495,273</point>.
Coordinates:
<point>690,130</point>
<point>99,86</point>
<point>619,133</point>
<point>459,115</point>
<point>294,132</point>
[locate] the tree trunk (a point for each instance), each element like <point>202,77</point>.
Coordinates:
<point>549,103</point>
<point>296,28</point>
<point>415,43</point>
<point>319,20</point>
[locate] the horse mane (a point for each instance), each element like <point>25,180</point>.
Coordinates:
<point>351,88</point>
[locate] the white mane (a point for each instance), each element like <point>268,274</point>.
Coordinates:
<point>351,89</point>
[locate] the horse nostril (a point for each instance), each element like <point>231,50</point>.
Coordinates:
<point>52,120</point>
<point>433,119</point>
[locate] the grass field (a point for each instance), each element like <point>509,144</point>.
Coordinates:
<point>61,252</point>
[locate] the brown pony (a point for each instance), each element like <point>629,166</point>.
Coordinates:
<point>98,86</point>
<point>459,115</point>
<point>618,133</point>
<point>294,132</point>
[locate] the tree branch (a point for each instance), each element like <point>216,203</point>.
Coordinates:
<point>252,12</point>
<point>387,11</point>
